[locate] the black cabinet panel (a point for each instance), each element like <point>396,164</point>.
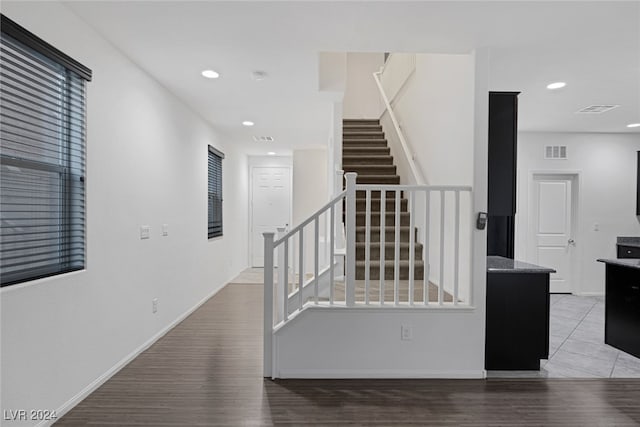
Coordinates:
<point>628,251</point>
<point>500,236</point>
<point>638,186</point>
<point>517,329</point>
<point>501,203</point>
<point>622,309</point>
<point>503,136</point>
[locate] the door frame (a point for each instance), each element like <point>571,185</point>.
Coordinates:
<point>251,171</point>
<point>575,177</point>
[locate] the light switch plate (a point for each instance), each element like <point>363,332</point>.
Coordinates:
<point>145,232</point>
<point>165,229</point>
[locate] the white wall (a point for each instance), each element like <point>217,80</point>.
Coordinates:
<point>309,194</point>
<point>146,164</point>
<point>435,109</point>
<point>607,166</point>
<point>361,96</point>
<point>365,343</point>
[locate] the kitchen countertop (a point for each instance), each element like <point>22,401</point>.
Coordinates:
<point>628,241</point>
<point>498,264</point>
<point>623,262</point>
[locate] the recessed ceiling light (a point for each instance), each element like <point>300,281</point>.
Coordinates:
<point>633,125</point>
<point>556,85</point>
<point>271,153</point>
<point>248,123</point>
<point>210,74</point>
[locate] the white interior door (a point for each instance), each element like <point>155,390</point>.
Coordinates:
<point>270,206</point>
<point>552,235</point>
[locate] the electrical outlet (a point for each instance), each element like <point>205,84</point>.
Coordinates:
<point>154,305</point>
<point>145,232</point>
<point>406,332</point>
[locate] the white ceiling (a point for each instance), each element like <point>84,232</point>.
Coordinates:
<point>593,46</point>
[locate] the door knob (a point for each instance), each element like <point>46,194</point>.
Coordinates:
<point>571,242</point>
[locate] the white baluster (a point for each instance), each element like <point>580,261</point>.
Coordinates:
<point>301,268</point>
<point>412,246</point>
<point>441,284</point>
<point>427,226</point>
<point>316,260</point>
<point>367,246</point>
<point>383,214</point>
<point>350,282</point>
<point>456,250</point>
<point>282,274</point>
<point>332,245</point>
<point>396,258</point>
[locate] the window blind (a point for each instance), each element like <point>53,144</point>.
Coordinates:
<point>215,193</point>
<point>42,161</point>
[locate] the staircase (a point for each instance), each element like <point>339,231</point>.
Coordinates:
<point>365,151</point>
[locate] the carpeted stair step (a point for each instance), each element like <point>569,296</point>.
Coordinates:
<point>389,218</point>
<point>362,135</point>
<point>371,169</point>
<point>389,251</point>
<point>378,179</point>
<point>355,159</point>
<point>366,151</point>
<point>356,122</point>
<point>389,233</point>
<point>375,195</point>
<point>364,143</point>
<point>375,205</point>
<point>362,128</point>
<point>374,270</point>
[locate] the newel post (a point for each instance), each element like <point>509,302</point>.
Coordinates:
<point>268,304</point>
<point>350,279</point>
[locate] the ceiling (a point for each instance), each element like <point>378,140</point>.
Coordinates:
<point>593,46</point>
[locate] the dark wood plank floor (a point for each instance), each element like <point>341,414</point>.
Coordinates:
<point>207,372</point>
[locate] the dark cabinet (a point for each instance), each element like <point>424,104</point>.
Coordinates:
<point>622,308</point>
<point>638,186</point>
<point>503,137</point>
<point>628,251</point>
<point>517,329</point>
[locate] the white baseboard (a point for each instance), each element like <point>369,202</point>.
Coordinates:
<point>379,374</point>
<point>590,294</point>
<point>93,386</point>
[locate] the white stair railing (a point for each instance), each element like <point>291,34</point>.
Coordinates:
<point>444,259</point>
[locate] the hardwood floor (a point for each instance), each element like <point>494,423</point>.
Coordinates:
<point>208,372</point>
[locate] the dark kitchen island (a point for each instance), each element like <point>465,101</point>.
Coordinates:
<point>517,329</point>
<point>622,304</point>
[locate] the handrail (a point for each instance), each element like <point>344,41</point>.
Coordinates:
<point>311,218</point>
<point>415,170</point>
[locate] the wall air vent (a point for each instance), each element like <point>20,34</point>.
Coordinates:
<point>558,152</point>
<point>263,138</point>
<point>597,109</point>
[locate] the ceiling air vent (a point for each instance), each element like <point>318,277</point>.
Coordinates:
<point>597,109</point>
<point>555,152</point>
<point>263,138</point>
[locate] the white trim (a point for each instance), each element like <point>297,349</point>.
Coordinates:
<point>590,294</point>
<point>379,373</point>
<point>95,384</point>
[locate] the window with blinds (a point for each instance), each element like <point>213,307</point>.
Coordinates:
<point>215,193</point>
<point>42,158</point>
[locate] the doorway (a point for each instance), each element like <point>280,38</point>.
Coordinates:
<point>552,227</point>
<point>270,205</point>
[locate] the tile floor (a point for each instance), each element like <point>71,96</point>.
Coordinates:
<point>576,344</point>
<point>576,341</point>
